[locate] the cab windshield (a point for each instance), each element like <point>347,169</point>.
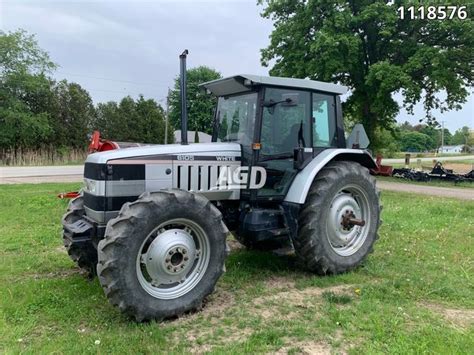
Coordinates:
<point>235,118</point>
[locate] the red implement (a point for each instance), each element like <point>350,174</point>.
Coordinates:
<point>101,145</point>
<point>383,170</point>
<point>73,194</point>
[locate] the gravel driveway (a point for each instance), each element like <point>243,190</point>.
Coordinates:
<point>453,192</point>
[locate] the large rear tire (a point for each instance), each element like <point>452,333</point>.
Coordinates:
<point>83,254</point>
<point>162,255</point>
<point>326,242</point>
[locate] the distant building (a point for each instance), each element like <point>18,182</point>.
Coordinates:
<point>454,149</point>
<point>203,137</point>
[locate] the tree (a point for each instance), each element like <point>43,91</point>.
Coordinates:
<point>25,91</point>
<point>36,111</point>
<point>462,136</point>
<point>132,121</point>
<point>107,120</point>
<point>74,111</point>
<point>20,53</point>
<point>433,134</point>
<point>151,121</point>
<point>447,136</point>
<point>414,142</point>
<point>366,46</point>
<point>200,104</point>
<point>391,142</point>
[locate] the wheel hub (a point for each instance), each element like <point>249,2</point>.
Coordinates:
<point>344,214</point>
<point>170,256</point>
<point>349,220</point>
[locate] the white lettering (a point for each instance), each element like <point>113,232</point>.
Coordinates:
<point>225,158</point>
<point>236,178</point>
<point>253,177</point>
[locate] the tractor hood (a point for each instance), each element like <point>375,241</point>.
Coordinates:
<point>146,152</point>
<point>114,177</point>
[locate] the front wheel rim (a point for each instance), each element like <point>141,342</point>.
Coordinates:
<point>346,240</point>
<point>173,258</point>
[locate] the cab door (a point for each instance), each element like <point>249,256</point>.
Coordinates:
<point>286,125</point>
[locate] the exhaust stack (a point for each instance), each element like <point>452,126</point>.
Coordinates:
<point>184,109</point>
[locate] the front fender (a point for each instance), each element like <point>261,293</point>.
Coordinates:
<point>303,180</point>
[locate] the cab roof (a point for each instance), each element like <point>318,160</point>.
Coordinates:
<point>245,82</point>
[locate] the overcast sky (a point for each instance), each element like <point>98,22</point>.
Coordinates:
<point>118,48</point>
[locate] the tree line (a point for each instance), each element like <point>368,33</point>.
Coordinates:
<point>362,44</point>
<point>421,137</point>
<point>38,112</point>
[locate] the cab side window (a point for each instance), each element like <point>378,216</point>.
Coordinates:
<point>285,125</point>
<point>324,120</point>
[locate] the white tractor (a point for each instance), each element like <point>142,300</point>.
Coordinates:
<point>152,221</point>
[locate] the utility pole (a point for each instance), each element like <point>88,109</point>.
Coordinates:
<point>442,136</point>
<point>167,115</point>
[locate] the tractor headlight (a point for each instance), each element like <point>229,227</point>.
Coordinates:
<point>90,186</point>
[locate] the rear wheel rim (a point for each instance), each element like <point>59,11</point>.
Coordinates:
<point>173,259</point>
<point>344,240</point>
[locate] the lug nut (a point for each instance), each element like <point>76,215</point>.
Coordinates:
<point>168,260</point>
<point>186,258</point>
<point>169,267</point>
<point>171,252</point>
<point>184,251</point>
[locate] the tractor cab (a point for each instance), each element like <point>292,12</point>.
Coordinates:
<point>280,123</point>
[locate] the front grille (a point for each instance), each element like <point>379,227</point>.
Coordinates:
<point>202,177</point>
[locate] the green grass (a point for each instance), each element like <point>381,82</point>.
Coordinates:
<point>262,303</point>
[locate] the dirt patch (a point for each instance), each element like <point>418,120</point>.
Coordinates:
<point>216,337</point>
<point>285,303</point>
<point>279,282</point>
<point>293,303</point>
<point>234,245</point>
<point>300,297</point>
<point>458,317</point>
<point>62,274</point>
<point>213,306</point>
<point>459,168</point>
<point>203,339</point>
<point>218,302</point>
<point>321,346</point>
<point>307,348</point>
<point>61,250</point>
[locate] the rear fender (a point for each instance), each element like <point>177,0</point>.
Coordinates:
<point>302,182</point>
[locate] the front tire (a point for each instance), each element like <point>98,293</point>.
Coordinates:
<point>83,254</point>
<point>162,255</point>
<point>326,242</point>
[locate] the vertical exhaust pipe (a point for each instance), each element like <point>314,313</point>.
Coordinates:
<point>184,109</point>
